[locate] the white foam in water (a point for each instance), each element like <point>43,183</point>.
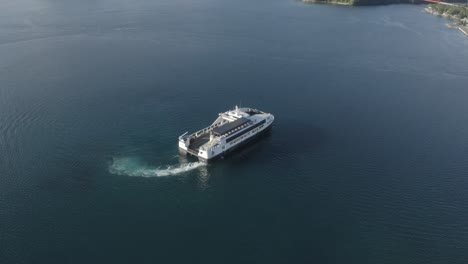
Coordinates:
<point>133,167</point>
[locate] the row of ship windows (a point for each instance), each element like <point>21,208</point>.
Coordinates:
<point>236,129</point>
<point>242,137</point>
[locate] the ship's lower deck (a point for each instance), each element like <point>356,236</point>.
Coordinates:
<point>230,130</point>
<point>242,144</point>
<point>196,143</point>
<point>194,152</point>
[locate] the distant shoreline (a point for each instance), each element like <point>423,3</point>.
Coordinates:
<point>455,12</point>
<point>326,2</point>
<point>362,2</point>
<point>458,14</point>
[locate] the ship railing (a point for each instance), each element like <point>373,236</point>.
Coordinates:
<point>183,136</point>
<point>203,131</point>
<point>206,129</point>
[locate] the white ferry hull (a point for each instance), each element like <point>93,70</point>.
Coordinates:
<point>230,131</point>
<point>238,146</point>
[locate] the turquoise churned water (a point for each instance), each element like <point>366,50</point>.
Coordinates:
<point>367,161</point>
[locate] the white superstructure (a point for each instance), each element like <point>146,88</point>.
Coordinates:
<point>230,130</point>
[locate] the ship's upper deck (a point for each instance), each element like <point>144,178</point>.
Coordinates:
<point>231,126</point>
<point>236,119</point>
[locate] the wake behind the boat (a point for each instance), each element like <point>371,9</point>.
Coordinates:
<point>134,167</point>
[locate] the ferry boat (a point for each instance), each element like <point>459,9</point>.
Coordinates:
<point>229,131</point>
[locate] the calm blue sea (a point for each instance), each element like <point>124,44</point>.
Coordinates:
<point>367,161</point>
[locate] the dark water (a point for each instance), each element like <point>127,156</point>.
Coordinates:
<point>367,162</point>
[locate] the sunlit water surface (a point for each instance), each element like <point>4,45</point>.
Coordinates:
<point>367,161</point>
